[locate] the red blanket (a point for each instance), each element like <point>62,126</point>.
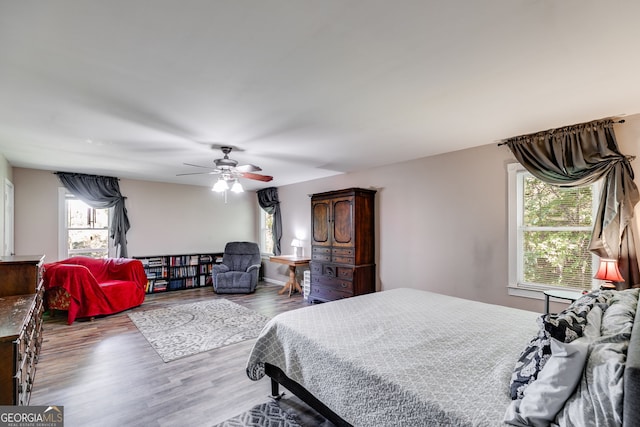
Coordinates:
<point>97,286</point>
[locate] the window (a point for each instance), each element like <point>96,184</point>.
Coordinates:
<point>549,233</point>
<point>266,232</point>
<point>83,229</point>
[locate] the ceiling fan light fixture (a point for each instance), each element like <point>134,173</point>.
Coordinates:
<point>220,186</point>
<point>237,187</point>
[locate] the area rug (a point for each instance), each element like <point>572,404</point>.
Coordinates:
<point>186,329</point>
<point>265,415</point>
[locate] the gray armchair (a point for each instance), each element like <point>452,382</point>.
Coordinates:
<point>238,272</point>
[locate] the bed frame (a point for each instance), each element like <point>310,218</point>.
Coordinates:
<point>278,377</point>
<point>631,410</point>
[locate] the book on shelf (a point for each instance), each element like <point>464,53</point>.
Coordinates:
<point>159,285</point>
<point>155,262</point>
<point>206,258</point>
<point>176,284</point>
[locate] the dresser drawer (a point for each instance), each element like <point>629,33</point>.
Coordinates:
<point>342,259</point>
<point>332,282</point>
<point>315,268</point>
<point>320,250</point>
<point>345,273</point>
<point>321,257</point>
<point>323,293</point>
<point>331,270</point>
<point>343,255</point>
<point>349,252</point>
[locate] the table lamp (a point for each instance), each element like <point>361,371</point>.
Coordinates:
<point>297,244</point>
<point>609,272</point>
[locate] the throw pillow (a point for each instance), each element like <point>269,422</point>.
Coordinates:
<point>544,398</point>
<point>530,362</point>
<point>569,324</point>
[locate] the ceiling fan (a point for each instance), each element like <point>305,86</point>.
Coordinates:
<point>229,170</point>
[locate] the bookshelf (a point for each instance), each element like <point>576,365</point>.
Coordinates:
<point>176,272</point>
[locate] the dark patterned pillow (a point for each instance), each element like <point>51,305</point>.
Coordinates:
<point>530,362</point>
<point>565,326</point>
<point>569,324</point>
<point>594,297</point>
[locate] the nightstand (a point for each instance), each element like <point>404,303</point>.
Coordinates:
<point>555,293</point>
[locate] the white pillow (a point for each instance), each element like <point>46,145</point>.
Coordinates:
<point>544,398</point>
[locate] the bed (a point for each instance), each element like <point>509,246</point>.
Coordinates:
<point>409,357</point>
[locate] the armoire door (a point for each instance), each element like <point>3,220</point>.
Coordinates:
<point>321,217</point>
<point>342,221</point>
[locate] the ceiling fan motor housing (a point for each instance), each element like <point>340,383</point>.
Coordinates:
<point>226,162</point>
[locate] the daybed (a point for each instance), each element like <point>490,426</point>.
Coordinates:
<point>412,358</point>
<point>88,287</point>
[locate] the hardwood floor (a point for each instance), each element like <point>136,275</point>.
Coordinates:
<point>105,373</point>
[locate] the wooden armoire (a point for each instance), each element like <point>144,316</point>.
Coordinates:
<point>342,244</point>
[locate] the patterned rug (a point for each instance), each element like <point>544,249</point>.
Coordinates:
<point>265,415</point>
<point>186,329</point>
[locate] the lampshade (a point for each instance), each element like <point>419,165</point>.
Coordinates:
<point>237,187</point>
<point>220,186</point>
<point>608,270</point>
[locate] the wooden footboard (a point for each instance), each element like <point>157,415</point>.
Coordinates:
<point>278,377</point>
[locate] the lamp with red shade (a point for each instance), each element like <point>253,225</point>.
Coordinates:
<point>609,272</point>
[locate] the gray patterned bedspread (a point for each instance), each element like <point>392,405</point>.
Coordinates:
<point>402,357</point>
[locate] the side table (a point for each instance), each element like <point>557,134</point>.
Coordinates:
<point>292,261</point>
<point>555,293</point>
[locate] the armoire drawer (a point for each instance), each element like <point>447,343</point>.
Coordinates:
<point>349,252</point>
<point>321,257</point>
<point>342,259</point>
<point>332,270</point>
<point>324,293</point>
<point>332,282</point>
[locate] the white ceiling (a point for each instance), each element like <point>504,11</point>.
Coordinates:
<point>308,89</point>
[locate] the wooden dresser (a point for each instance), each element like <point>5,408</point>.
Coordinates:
<point>342,244</point>
<point>21,307</point>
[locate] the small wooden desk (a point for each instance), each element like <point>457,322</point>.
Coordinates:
<point>292,261</point>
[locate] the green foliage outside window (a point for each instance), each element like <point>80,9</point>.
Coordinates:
<point>268,233</point>
<point>556,231</point>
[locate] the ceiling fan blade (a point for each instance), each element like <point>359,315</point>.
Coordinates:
<point>198,166</point>
<point>248,168</point>
<point>199,173</point>
<point>257,177</point>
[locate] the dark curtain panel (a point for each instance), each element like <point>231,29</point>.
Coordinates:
<point>101,192</point>
<point>581,155</point>
<point>268,200</point>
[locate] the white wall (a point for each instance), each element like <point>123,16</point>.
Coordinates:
<point>6,172</point>
<point>165,218</point>
<point>441,221</point>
